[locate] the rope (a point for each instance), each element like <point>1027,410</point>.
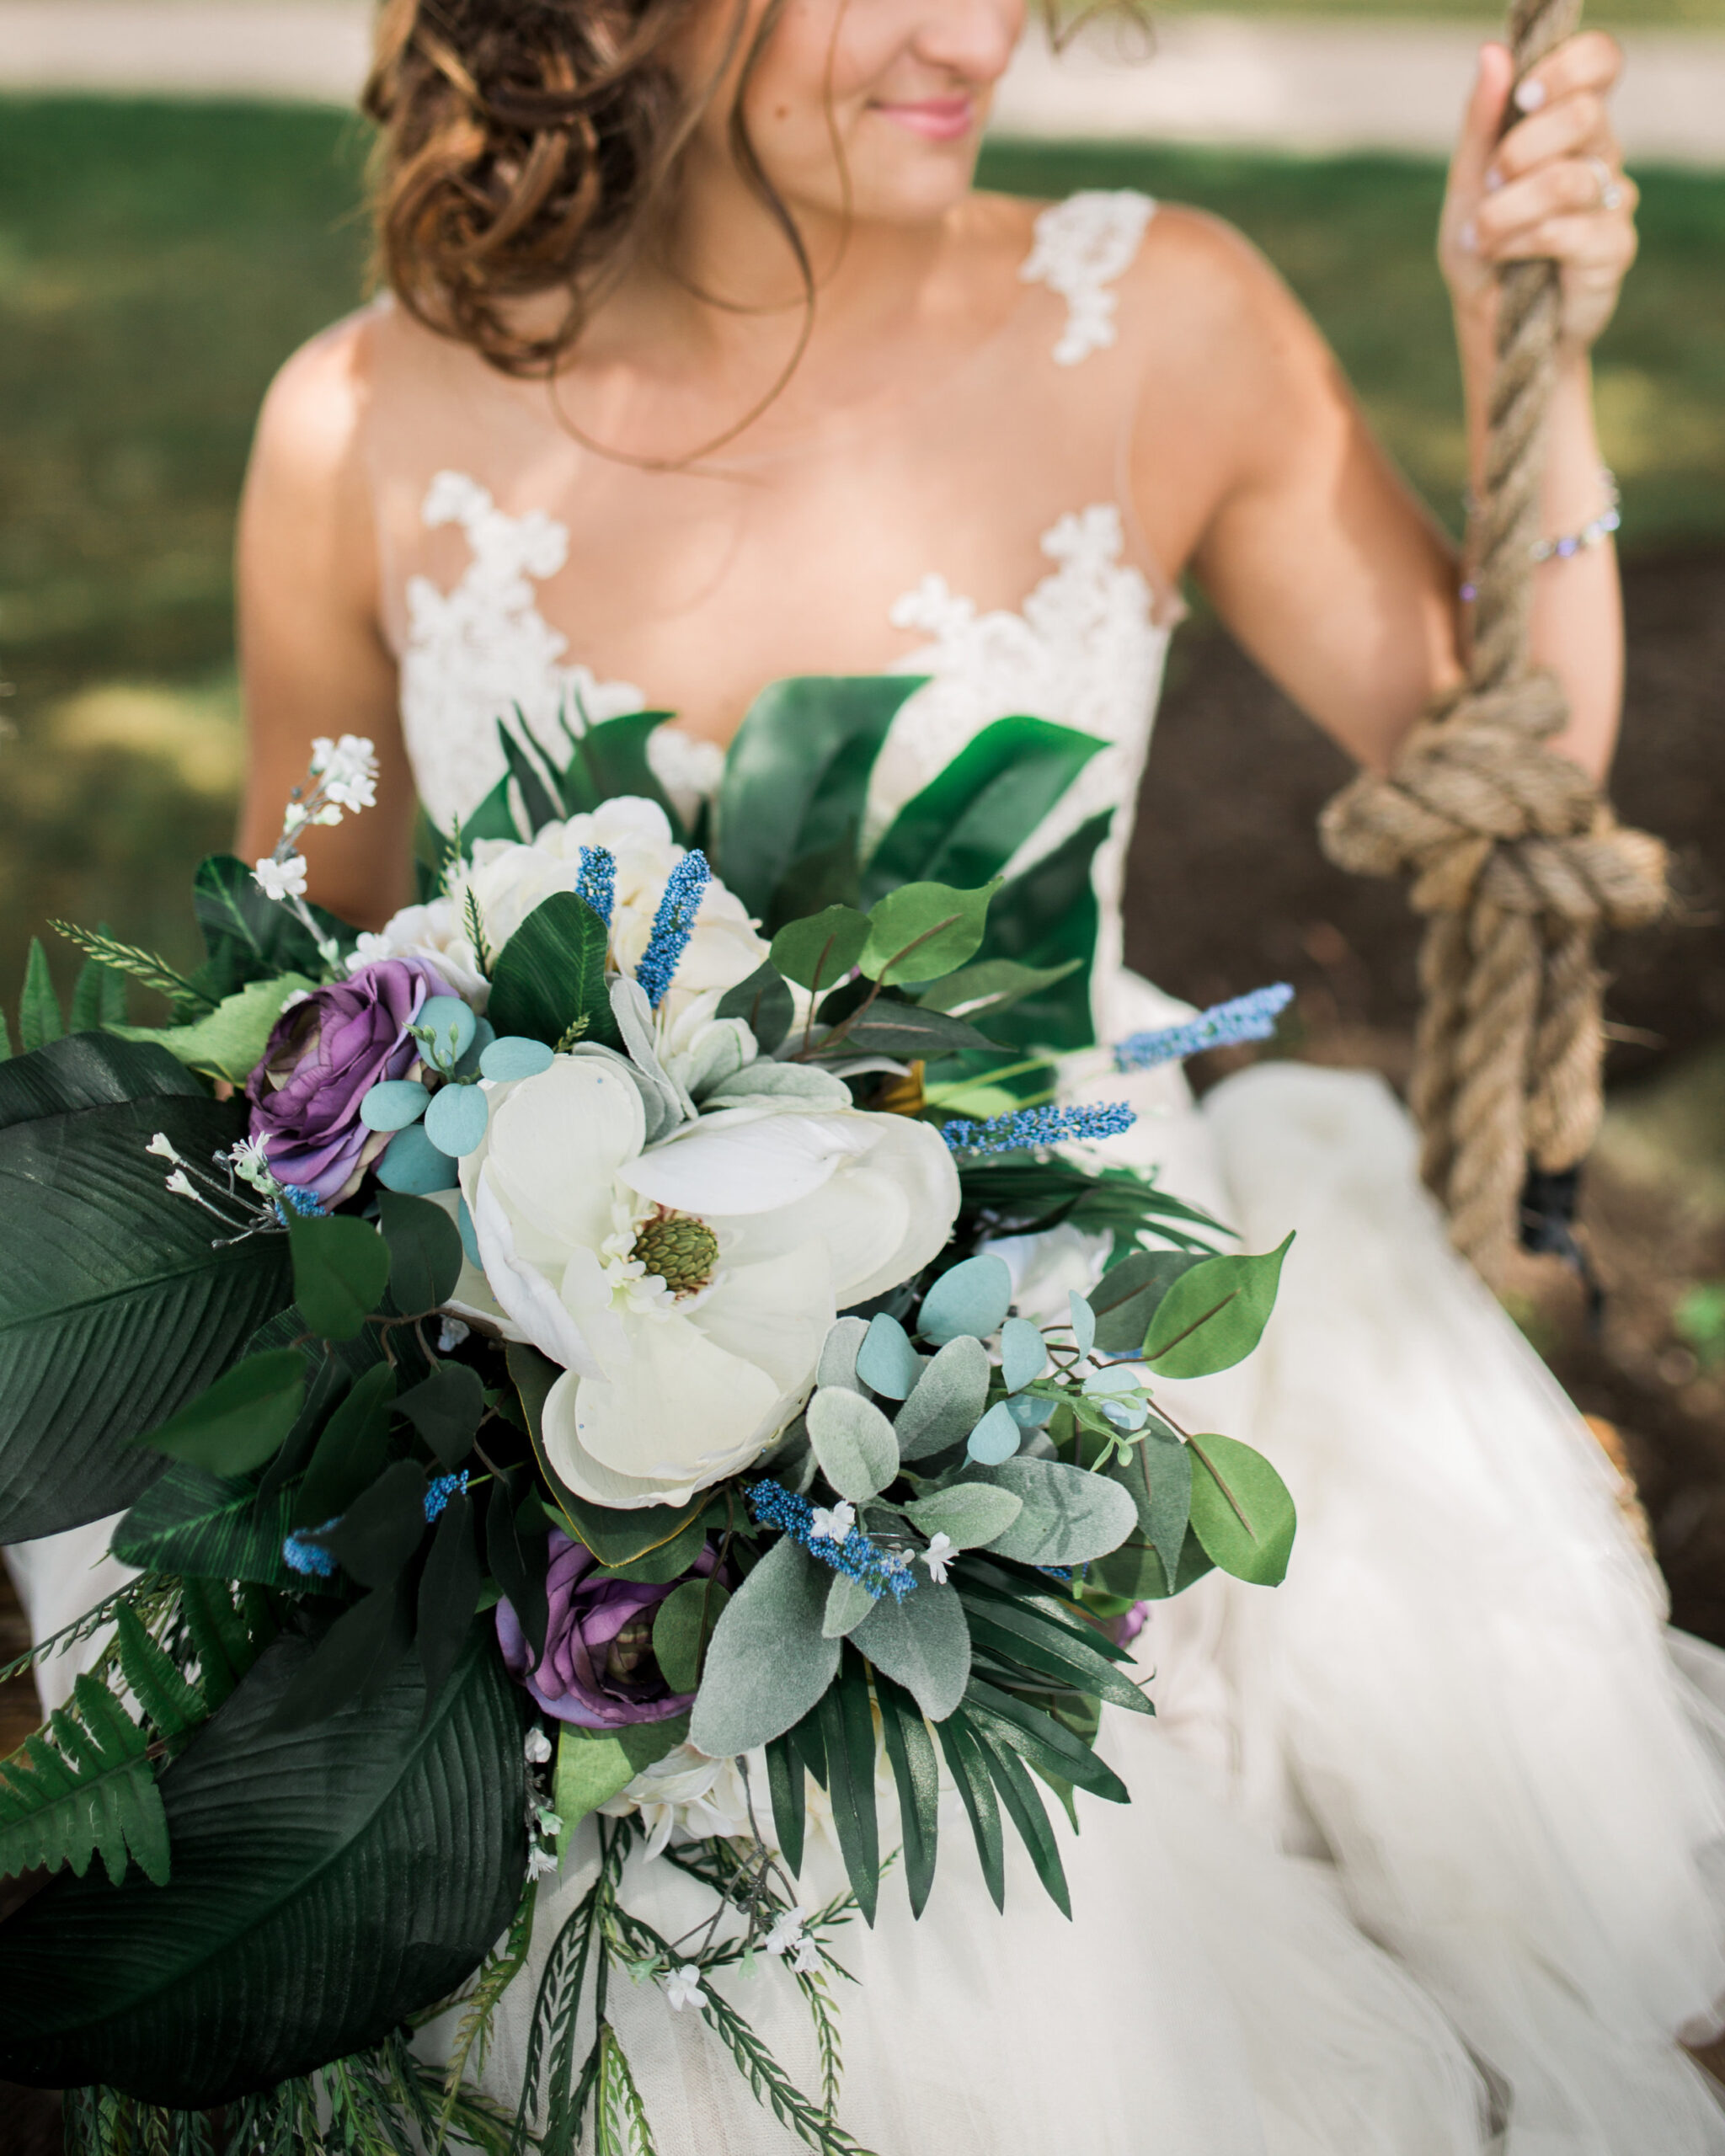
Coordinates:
<point>1516,860</point>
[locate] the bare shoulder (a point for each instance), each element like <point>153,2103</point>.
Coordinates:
<point>310,429</point>
<point>1198,281</point>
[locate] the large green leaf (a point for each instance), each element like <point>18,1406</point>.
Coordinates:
<point>116,1308</point>
<point>211,1526</point>
<point>1045,917</point>
<point>1214,1316</point>
<point>795,783</point>
<point>1241,1511</point>
<point>968,822</point>
<point>250,937</point>
<point>326,1883</point>
<point>229,1041</point>
<point>550,975</point>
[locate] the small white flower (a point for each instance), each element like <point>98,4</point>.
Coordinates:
<point>541,1860</point>
<point>787,1932</point>
<point>682,1987</point>
<point>281,879</point>
<point>180,1184</point>
<point>547,1822</point>
<point>162,1146</point>
<point>831,1524</point>
<point>359,792</point>
<point>294,815</point>
<point>352,758</point>
<point>449,1338</point>
<point>805,1956</point>
<point>938,1557</point>
<point>538,1745</point>
<point>329,816</point>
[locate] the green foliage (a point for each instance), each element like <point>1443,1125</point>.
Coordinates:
<point>241,1419</point>
<point>351,1448</point>
<point>83,1786</point>
<point>1129,1294</point>
<point>769,1662</point>
<point>393,1835</point>
<point>113,1267</point>
<point>992,984</point>
<point>967,824</point>
<point>820,950</point>
<point>593,1764</point>
<point>229,1041</point>
<point>249,937</point>
<point>682,1628</point>
<point>1214,1316</point>
<point>591,763</point>
<point>425,1253</point>
<point>121,961</point>
<point>947,1402</point>
<point>550,975</point>
<point>789,813</point>
<point>920,931</point>
<point>910,1749</point>
<point>1157,1476</point>
<point>1241,1511</point>
<point>98,997</point>
<point>1068,1516</point>
<point>763,1003</point>
<point>853,1441</point>
<point>968,1513</point>
<point>340,1269</point>
<point>922,1643</point>
<point>1016,1197</point>
<point>39,1019</point>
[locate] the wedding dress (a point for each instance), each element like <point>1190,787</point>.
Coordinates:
<point>1426,1850</point>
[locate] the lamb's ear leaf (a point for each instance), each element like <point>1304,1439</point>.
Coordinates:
<point>967,824</point>
<point>949,1397</point>
<point>1070,1516</point>
<point>922,1643</point>
<point>853,1441</point>
<point>769,1662</point>
<point>796,780</point>
<point>192,1994</point>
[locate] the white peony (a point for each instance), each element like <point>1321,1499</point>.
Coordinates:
<point>686,1287</point>
<point>509,879</point>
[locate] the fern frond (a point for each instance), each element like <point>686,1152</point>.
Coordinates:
<point>127,958</point>
<point>83,1786</point>
<point>620,2126</point>
<point>174,1706</point>
<point>149,1592</point>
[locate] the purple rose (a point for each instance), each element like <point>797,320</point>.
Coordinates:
<point>324,1056</point>
<point>597,1668</point>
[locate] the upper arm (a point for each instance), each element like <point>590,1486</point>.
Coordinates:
<point>312,657</point>
<point>1302,534</point>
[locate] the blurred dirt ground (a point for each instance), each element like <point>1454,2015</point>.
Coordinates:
<point>1229,890</point>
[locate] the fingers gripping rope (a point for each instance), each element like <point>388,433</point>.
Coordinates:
<point>1516,859</point>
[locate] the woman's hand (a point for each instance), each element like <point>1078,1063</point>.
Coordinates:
<point>1551,188</point>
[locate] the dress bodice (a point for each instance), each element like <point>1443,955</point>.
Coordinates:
<point>1081,645</point>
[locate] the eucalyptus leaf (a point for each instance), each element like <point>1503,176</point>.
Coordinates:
<point>995,1438</point>
<point>1213,1316</point>
<point>907,1031</point>
<point>854,1443</point>
<point>1023,1353</point>
<point>949,1397</point>
<point>1158,1475</point>
<point>973,1297</point>
<point>886,1361</point>
<point>411,1163</point>
<point>1069,1515</point>
<point>769,1661</point>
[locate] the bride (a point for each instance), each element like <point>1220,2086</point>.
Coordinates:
<point>702,366</point>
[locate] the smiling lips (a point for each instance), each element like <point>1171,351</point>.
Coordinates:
<point>937,119</point>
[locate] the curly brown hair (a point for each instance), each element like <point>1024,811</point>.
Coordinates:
<point>527,146</point>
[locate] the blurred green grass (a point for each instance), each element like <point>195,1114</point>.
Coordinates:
<point>158,261</point>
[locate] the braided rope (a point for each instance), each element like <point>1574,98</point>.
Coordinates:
<point>1516,859</point>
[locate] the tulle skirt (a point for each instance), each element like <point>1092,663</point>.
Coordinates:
<point>1426,1853</point>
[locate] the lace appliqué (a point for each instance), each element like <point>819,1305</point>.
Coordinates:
<point>1084,245</point>
<point>476,653</point>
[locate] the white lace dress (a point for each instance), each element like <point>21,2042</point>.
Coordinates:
<point>1424,1854</point>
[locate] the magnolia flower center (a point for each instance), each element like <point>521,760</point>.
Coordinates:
<point>679,1249</point>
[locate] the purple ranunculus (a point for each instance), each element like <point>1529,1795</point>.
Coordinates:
<point>597,1668</point>
<point>324,1056</point>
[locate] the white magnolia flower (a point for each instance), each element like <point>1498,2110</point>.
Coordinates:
<point>508,880</point>
<point>682,1987</point>
<point>686,1287</point>
<point>832,1523</point>
<point>687,1793</point>
<point>938,1557</point>
<point>281,879</point>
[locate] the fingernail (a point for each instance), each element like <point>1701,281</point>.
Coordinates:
<point>1529,95</point>
<point>1469,236</point>
<point>1494,181</point>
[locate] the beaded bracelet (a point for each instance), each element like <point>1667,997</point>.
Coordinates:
<point>1570,543</point>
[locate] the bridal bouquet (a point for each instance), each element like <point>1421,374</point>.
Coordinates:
<point>634,1357</point>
